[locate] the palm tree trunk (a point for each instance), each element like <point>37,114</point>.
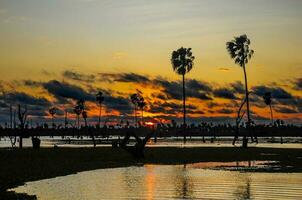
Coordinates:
<point>184,106</point>
<point>78,119</point>
<point>100,114</point>
<point>11,116</point>
<point>142,116</point>
<point>135,118</point>
<point>247,106</point>
<point>65,119</point>
<point>93,140</point>
<point>52,125</point>
<point>20,142</point>
<point>272,117</point>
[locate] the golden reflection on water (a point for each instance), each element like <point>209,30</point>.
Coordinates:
<point>191,181</point>
<point>150,181</point>
<point>183,184</point>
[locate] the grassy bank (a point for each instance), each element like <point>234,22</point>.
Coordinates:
<point>22,165</point>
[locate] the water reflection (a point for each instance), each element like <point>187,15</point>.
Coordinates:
<point>190,181</point>
<point>184,187</point>
<point>243,191</point>
<point>150,182</point>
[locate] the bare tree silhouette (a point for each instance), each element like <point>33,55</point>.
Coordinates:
<point>182,62</point>
<point>22,116</point>
<point>239,50</point>
<point>267,97</point>
<point>100,99</point>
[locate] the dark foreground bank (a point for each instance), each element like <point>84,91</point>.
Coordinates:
<point>22,165</point>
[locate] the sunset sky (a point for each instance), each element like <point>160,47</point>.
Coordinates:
<point>54,52</point>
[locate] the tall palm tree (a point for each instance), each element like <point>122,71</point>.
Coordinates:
<point>84,115</point>
<point>52,111</point>
<point>267,97</point>
<point>239,50</point>
<point>78,109</point>
<point>141,105</point>
<point>100,98</point>
<point>182,62</point>
<point>135,99</point>
<point>66,118</point>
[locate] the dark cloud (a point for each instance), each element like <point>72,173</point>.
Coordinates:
<point>176,106</point>
<point>132,77</point>
<point>255,117</point>
<point>223,69</point>
<point>36,106</point>
<point>294,103</point>
<point>198,112</point>
<point>202,96</point>
<point>36,113</point>
<point>157,103</point>
<point>172,108</point>
<point>159,96</point>
<point>277,92</point>
<point>285,110</point>
<point>47,73</point>
<point>63,90</point>
<point>118,103</point>
<point>32,83</point>
<point>78,76</point>
<point>196,85</point>
<point>194,89</point>
<point>225,111</point>
<point>23,98</point>
<point>298,103</point>
<point>156,108</point>
<point>224,93</point>
<point>212,104</point>
<point>238,87</point>
<point>124,77</point>
<point>171,88</point>
<point>298,84</point>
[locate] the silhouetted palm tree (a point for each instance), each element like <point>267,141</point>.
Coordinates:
<point>134,99</point>
<point>239,50</point>
<point>78,109</point>
<point>182,62</point>
<point>141,105</point>
<point>100,99</point>
<point>52,111</point>
<point>66,118</point>
<point>84,115</point>
<point>267,97</point>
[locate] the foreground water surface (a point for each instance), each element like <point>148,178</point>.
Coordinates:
<point>208,180</point>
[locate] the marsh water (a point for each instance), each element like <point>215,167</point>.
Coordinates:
<point>207,180</point>
<point>191,181</point>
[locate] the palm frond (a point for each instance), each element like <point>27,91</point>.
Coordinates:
<point>182,60</point>
<point>239,50</point>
